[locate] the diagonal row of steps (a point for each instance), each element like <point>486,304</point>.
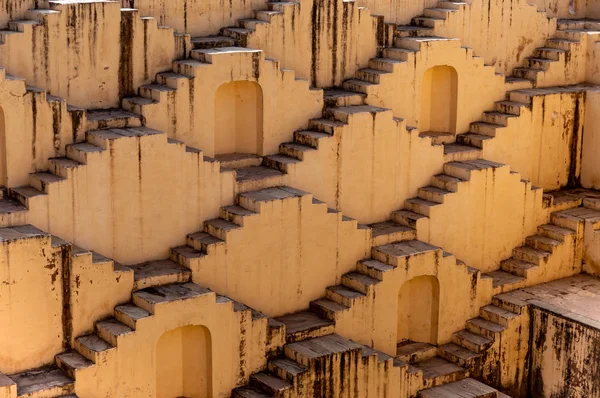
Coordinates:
<point>565,226</point>
<point>156,283</point>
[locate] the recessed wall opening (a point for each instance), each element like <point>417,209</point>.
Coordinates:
<point>418,310</point>
<point>439,102</point>
<point>184,363</point>
<point>238,119</point>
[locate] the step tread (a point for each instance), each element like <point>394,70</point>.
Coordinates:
<point>290,366</point>
<point>473,337</point>
<point>406,248</point>
<point>457,148</point>
<point>324,346</point>
<point>172,292</point>
<point>44,378</point>
<point>487,325</point>
<point>157,268</point>
<point>465,388</point>
<point>114,327</point>
<point>303,321</point>
<point>460,352</point>
<point>256,173</point>
<point>93,342</point>
<point>500,312</point>
<point>387,228</point>
<point>501,278</point>
<point>436,367</point>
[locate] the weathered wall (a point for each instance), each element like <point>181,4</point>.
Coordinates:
<point>402,90</point>
<point>189,113</point>
<point>256,258</point>
<point>590,162</point>
<point>477,25</point>
<point>196,17</point>
<point>554,123</point>
<point>31,299</point>
<point>566,356</point>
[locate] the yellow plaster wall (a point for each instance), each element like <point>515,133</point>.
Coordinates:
<point>31,299</point>
<point>402,90</point>
<point>257,257</point>
<point>237,344</point>
<point>590,162</point>
<point>554,122</point>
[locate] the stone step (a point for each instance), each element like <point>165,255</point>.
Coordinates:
<point>157,273</point>
<point>248,392</point>
<point>438,138</point>
<point>258,177</point>
<point>295,150</point>
<point>240,35</point>
<point>496,118</point>
<point>344,113</point>
<point>373,268</point>
<point>24,195</point>
<point>12,213</point>
<point>473,140</point>
<point>483,327</point>
<point>517,267</point>
<point>384,64</point>
<point>428,22</point>
<point>309,137</point>
<point>271,384</point>
<point>413,31</point>
<point>485,128</point>
<point>531,255</point>
<point>421,206</point>
<point>438,12</point>
<point>357,85</point>
<point>149,298</point>
<point>446,182</point>
<point>390,231</point>
<point>543,243</point>
<point>399,54</point>
<point>203,241</point>
<point>433,194</point>
<point>339,97</point>
<point>371,75</point>
<point>254,200</point>
<point>235,214</point>
<point>71,362</point>
<point>112,118</point>
<point>463,169</point>
<point>212,42</point>
<point>465,388</point>
<point>43,181</point>
<point>328,309</point>
<point>63,167</point>
<point>238,160</point>
<point>538,63</point>
<point>414,351</point>
<point>360,282</point>
<point>305,325</point>
<point>395,254</point>
<point>281,163</point>
<point>514,301</point>
<point>408,218</point>
<point>512,107</point>
<point>576,217</point>
<point>309,351</point>
<point>48,381</point>
<point>555,232</point>
<point>129,314</point>
<point>220,228</point>
<point>343,295</point>
<point>527,73</point>
<point>111,329</point>
<point>92,347</point>
<point>286,368</point>
<point>504,280</point>
<point>472,341</point>
<point>81,151</point>
<point>549,53</point>
<point>498,315</point>
<point>459,355</point>
<point>437,371</point>
<point>460,153</point>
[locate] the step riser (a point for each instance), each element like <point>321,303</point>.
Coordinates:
<point>513,269</point>
<point>471,141</point>
<point>116,123</point>
<point>398,54</point>
<point>483,129</point>
<point>310,334</point>
<point>553,55</point>
<point>527,257</point>
<point>535,64</point>
<point>382,65</point>
<point>566,222</point>
<point>494,317</point>
<point>468,344</point>
<point>506,305</point>
<point>338,298</point>
<point>346,100</point>
<point>369,77</point>
<point>493,118</point>
<point>537,244</point>
<point>451,186</point>
<point>527,74</point>
<point>431,196</point>
<point>474,328</point>
<point>356,285</point>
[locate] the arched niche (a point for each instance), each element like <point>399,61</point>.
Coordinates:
<point>418,310</point>
<point>439,93</point>
<point>184,363</point>
<point>238,118</point>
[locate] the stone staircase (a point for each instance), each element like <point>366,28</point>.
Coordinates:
<point>155,283</point>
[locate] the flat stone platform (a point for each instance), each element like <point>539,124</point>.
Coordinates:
<point>576,298</point>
